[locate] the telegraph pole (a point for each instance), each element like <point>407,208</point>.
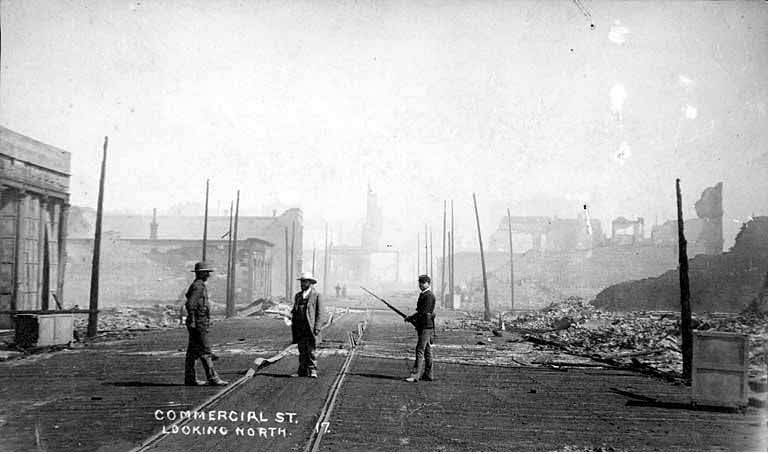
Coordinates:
<point>205,220</point>
<point>452,260</point>
<point>431,252</point>
<point>233,287</point>
<point>685,291</point>
<point>487,315</point>
<point>93,308</point>
<point>442,273</point>
<point>287,265</point>
<point>293,257</point>
<point>511,266</point>
<point>325,263</point>
<point>314,249</point>
<point>418,254</point>
<point>229,255</point>
<point>426,250</point>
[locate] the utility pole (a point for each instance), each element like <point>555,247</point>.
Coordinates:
<point>418,254</point>
<point>233,287</point>
<point>431,252</point>
<point>325,263</point>
<point>685,291</point>
<point>511,265</point>
<point>287,265</point>
<point>426,250</point>
<point>229,255</point>
<point>452,255</point>
<point>293,256</point>
<point>314,248</point>
<point>487,314</point>
<point>205,220</point>
<point>93,308</point>
<point>442,273</point>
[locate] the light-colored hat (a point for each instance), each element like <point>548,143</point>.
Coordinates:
<point>202,266</point>
<point>307,276</point>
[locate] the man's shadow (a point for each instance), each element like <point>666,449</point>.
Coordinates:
<point>385,377</point>
<point>140,384</point>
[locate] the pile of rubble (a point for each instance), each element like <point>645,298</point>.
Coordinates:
<point>131,318</point>
<point>648,340</point>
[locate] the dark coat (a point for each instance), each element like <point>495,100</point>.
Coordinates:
<point>314,316</point>
<point>424,318</point>
<point>198,310</point>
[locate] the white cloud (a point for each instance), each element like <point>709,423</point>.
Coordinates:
<point>618,33</point>
<point>684,80</point>
<point>691,112</point>
<point>618,96</point>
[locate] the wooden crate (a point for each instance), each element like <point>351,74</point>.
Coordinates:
<point>41,330</point>
<point>720,374</point>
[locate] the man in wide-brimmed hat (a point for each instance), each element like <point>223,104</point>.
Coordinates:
<point>198,322</point>
<point>307,318</point>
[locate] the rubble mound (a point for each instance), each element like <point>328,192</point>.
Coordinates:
<point>729,282</point>
<point>157,316</point>
<point>647,341</point>
<point>641,339</point>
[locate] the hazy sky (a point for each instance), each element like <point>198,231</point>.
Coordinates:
<point>305,103</point>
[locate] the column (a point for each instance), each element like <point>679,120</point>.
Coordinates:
<point>63,219</point>
<point>17,301</point>
<point>43,288</point>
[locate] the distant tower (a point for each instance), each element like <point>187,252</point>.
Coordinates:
<point>153,225</point>
<point>373,222</point>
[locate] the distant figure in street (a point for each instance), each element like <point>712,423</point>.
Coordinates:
<point>338,289</point>
<point>198,322</point>
<point>307,319</point>
<point>424,321</point>
<point>344,290</point>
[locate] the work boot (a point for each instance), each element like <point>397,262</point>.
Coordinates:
<point>426,377</point>
<point>216,381</point>
<point>313,374</point>
<point>412,379</point>
<point>194,383</point>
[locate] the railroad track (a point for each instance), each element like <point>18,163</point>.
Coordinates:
<point>323,421</point>
<point>353,338</point>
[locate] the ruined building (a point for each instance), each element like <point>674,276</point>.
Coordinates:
<point>166,248</point>
<point>548,234</point>
<point>728,282</point>
<point>34,202</point>
<point>625,231</point>
<point>370,260</point>
<point>704,234</point>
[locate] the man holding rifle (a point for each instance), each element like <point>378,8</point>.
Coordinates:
<point>424,322</point>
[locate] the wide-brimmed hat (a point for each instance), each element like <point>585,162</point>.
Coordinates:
<point>202,266</point>
<point>307,276</point>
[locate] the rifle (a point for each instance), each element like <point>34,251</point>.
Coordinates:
<point>384,301</point>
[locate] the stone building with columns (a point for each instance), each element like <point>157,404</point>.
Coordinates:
<point>34,204</point>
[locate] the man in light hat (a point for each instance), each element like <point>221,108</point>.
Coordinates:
<point>307,317</point>
<point>424,321</point>
<point>198,322</point>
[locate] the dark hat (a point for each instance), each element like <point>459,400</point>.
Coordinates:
<point>425,278</point>
<point>202,266</point>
